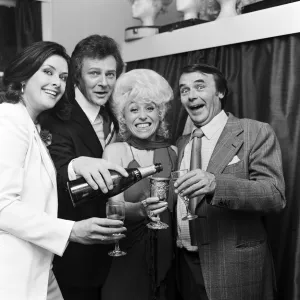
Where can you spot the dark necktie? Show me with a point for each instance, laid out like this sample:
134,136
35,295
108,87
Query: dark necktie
108,126
103,127
98,127
195,164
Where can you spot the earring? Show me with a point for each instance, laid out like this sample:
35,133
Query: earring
22,88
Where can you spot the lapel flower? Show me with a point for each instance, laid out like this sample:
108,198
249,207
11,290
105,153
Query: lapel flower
46,137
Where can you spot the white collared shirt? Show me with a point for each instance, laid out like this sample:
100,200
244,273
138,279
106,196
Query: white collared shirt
91,110
212,132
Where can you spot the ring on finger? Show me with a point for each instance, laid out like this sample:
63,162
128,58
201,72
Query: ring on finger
144,202
150,213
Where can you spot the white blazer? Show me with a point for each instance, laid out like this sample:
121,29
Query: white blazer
30,231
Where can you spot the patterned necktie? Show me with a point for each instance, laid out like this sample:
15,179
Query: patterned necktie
195,164
98,127
195,161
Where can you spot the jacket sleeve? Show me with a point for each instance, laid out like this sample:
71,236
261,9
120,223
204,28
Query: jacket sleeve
264,189
18,217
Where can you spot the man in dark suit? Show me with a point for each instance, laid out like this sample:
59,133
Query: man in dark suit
235,178
76,149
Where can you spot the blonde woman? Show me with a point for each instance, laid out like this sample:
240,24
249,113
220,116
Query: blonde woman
140,102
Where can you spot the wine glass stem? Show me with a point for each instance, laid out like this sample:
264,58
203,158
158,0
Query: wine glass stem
117,247
186,202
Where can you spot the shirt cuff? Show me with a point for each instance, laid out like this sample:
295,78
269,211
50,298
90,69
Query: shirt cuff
71,173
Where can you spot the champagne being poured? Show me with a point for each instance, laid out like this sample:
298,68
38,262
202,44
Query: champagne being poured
80,191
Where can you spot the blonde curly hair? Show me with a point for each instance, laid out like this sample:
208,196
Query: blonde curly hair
141,85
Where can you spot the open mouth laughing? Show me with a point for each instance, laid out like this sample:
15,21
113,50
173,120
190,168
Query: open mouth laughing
143,126
196,108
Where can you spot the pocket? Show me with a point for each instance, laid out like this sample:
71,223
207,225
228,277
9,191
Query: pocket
250,245
234,168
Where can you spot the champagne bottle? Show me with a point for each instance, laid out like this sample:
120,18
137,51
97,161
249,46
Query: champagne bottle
80,191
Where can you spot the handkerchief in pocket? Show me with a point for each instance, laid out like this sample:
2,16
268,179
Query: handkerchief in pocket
234,160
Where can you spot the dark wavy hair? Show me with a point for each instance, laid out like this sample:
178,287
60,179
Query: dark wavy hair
220,80
25,65
95,47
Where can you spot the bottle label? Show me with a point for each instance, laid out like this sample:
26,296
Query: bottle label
137,175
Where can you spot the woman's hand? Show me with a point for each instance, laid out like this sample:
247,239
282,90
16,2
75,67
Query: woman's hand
96,231
154,206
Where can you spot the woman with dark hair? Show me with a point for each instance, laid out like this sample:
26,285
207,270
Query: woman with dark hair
18,72
140,102
30,232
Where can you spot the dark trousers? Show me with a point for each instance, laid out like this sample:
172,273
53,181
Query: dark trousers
80,293
190,276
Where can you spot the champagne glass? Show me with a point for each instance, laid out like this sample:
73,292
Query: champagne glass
159,187
115,210
175,175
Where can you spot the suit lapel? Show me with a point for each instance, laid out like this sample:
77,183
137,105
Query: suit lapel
46,159
227,146
85,130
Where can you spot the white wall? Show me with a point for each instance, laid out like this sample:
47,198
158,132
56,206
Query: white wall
73,20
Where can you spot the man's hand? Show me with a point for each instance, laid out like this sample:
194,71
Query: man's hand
195,183
96,172
154,206
96,231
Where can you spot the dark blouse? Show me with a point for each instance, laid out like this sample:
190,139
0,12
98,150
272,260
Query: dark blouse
149,252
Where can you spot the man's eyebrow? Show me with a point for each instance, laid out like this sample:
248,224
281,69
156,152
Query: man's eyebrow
200,81
196,81
181,85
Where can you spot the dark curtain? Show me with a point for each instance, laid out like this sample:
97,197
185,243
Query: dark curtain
19,27
8,46
28,22
264,85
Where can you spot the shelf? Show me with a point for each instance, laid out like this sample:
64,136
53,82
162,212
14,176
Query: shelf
275,21
8,3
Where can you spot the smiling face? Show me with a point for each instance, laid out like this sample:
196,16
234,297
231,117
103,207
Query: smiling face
200,97
142,119
46,86
98,78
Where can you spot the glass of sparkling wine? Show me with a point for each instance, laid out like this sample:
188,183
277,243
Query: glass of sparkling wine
159,187
175,175
115,210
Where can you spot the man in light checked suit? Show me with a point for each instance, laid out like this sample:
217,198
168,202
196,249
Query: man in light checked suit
224,253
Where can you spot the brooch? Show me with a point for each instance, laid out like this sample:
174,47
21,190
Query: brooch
46,137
